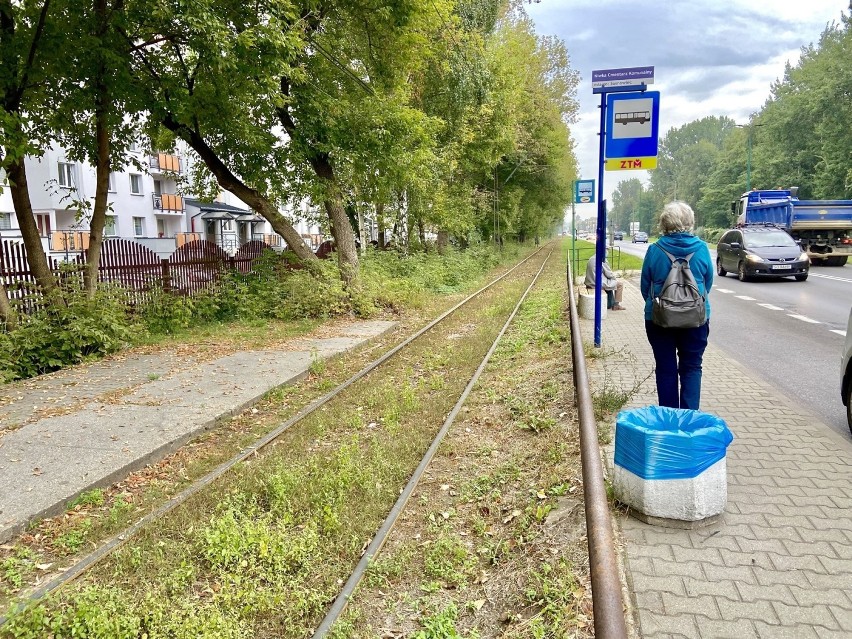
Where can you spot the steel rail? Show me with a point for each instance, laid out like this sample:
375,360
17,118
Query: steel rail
120,539
607,604
342,599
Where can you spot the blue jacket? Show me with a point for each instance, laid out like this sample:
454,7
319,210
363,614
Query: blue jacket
657,265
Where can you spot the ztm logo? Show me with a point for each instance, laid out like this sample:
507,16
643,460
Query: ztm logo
631,164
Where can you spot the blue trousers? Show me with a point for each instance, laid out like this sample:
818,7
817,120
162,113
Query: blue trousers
678,353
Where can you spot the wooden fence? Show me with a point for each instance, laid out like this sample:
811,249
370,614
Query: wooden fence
193,267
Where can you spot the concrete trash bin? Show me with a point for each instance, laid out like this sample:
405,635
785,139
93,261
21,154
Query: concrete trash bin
586,305
670,465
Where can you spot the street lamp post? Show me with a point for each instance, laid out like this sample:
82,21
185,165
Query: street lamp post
750,127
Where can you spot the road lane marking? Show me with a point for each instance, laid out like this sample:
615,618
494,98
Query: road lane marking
841,333
804,319
830,277
723,290
771,307
745,297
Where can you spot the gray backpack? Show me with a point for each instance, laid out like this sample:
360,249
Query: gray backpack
680,304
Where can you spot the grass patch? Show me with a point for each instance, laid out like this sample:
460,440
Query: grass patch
491,561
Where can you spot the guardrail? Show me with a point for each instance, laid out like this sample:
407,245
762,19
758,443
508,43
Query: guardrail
579,256
606,584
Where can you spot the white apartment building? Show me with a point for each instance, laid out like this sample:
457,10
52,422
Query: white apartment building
144,206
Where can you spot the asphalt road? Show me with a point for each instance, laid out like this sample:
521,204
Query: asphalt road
789,333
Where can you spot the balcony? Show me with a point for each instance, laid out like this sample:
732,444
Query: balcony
69,241
165,163
168,204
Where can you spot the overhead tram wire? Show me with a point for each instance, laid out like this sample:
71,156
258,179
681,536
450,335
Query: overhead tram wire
346,70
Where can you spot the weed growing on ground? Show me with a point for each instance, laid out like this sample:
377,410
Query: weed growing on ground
93,497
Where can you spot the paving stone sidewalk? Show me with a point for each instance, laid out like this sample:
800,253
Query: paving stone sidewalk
779,562
159,402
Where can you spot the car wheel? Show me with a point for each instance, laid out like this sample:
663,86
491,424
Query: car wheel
802,277
719,270
849,407
741,272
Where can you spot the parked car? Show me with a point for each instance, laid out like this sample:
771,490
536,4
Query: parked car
640,236
618,235
761,251
846,373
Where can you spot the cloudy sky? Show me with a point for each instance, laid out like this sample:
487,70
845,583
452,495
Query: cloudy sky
709,57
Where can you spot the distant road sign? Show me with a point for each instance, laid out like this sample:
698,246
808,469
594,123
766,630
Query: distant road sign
632,127
631,76
631,164
584,191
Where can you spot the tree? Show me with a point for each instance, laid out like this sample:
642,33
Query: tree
26,31
806,137
210,77
94,106
688,154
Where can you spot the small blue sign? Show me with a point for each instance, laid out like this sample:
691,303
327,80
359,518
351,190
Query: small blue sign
632,125
584,191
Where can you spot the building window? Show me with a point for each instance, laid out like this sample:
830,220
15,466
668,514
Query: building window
43,224
134,147
161,228
111,187
109,226
5,221
138,226
135,184
66,174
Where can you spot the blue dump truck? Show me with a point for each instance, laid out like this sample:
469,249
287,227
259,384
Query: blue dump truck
822,227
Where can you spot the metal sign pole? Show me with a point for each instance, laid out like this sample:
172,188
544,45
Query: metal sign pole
600,245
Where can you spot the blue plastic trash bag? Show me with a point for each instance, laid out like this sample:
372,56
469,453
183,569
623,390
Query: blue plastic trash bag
657,442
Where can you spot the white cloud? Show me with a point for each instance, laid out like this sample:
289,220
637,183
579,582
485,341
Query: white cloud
710,58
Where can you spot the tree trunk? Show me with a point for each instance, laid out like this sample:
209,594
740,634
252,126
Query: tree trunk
344,238
230,182
102,167
36,256
341,228
380,221
443,241
421,234
7,312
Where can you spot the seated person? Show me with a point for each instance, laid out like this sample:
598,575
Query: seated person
611,284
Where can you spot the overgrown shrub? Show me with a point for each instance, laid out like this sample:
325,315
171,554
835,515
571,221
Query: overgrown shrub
273,290
61,336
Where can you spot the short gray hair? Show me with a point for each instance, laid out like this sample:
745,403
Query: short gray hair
677,217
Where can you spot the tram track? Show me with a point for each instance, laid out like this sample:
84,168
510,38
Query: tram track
81,567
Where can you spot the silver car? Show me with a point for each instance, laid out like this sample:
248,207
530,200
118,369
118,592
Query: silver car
846,372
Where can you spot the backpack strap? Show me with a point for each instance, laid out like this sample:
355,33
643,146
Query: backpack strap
685,258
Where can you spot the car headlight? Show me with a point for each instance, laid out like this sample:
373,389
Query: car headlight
751,257
804,257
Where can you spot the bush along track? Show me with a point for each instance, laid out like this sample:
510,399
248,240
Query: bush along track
492,544
262,553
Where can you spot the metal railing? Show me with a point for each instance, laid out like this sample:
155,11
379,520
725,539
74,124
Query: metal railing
606,583
579,256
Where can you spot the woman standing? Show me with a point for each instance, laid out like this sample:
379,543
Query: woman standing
678,352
